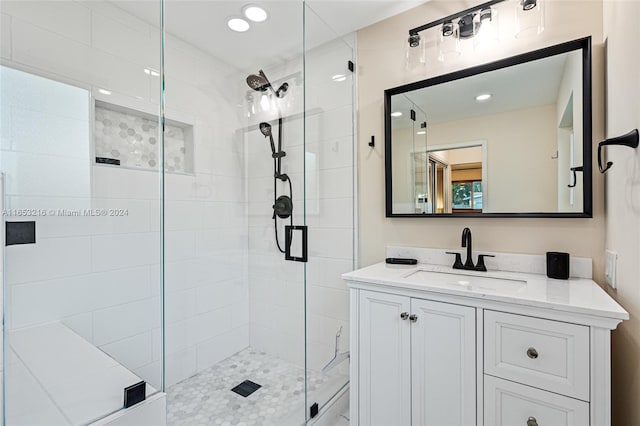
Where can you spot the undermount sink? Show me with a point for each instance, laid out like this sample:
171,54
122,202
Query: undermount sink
466,282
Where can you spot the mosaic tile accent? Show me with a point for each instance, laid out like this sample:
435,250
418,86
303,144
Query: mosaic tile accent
133,139
207,399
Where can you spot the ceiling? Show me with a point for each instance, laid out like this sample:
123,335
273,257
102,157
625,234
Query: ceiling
203,24
522,86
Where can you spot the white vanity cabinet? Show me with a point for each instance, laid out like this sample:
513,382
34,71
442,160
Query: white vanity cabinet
439,355
418,361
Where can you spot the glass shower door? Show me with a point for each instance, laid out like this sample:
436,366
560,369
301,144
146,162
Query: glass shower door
81,199
329,176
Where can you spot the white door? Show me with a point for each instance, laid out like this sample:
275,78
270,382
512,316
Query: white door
385,360
443,364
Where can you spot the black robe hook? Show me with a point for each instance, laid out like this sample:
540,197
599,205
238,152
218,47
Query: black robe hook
630,140
575,178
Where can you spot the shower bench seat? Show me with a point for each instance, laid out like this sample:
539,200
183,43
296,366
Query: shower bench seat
56,377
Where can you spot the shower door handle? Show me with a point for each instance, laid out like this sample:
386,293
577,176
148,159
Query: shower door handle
289,238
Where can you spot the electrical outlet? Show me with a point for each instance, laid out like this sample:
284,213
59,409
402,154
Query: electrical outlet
610,267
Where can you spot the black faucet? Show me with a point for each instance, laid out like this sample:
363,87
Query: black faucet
468,264
466,242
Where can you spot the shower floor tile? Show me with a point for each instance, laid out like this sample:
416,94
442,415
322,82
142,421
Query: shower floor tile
207,399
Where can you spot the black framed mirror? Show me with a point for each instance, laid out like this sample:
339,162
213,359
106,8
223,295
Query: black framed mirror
511,138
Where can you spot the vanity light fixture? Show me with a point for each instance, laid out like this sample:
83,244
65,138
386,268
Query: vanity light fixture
483,97
396,114
468,24
467,21
255,13
421,132
237,24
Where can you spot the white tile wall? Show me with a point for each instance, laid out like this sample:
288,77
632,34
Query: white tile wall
53,299
55,258
72,19
276,287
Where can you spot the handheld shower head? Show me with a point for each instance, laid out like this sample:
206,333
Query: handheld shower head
265,129
282,90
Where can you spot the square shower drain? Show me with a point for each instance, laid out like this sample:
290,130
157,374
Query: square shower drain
246,388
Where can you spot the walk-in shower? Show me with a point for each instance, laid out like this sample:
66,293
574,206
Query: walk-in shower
148,255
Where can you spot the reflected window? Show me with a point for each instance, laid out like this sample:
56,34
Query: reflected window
467,195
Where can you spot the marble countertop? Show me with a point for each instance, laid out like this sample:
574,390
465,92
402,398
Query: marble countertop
575,295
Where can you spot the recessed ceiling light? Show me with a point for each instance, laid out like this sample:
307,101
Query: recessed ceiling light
483,97
237,24
255,13
339,77
421,132
396,114
104,91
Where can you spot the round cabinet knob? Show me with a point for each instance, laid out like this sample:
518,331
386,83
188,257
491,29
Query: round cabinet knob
533,354
531,421
413,318
404,315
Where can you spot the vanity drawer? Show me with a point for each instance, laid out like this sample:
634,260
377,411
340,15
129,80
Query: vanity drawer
512,404
550,355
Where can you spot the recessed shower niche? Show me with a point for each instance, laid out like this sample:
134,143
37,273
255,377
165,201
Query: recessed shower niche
129,138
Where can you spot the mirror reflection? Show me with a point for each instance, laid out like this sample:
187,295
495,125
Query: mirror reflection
503,141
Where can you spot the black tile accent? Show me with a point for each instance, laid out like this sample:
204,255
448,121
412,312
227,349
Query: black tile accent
20,233
246,388
105,160
134,394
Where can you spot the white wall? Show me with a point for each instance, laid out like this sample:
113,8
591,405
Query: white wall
98,276
520,147
623,200
381,65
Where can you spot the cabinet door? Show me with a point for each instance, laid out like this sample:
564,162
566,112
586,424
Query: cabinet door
443,364
385,360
